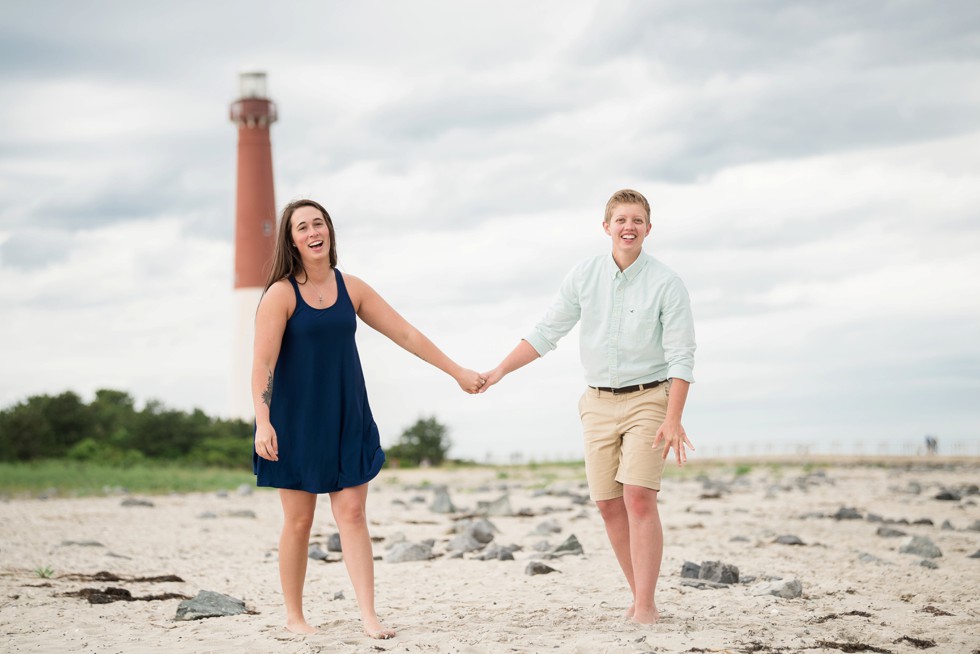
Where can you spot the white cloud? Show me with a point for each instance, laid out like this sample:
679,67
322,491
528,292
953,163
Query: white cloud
813,180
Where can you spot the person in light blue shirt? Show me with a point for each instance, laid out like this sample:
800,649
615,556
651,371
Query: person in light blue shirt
637,347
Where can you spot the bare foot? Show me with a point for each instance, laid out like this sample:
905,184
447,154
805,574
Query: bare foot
300,627
630,611
646,617
374,629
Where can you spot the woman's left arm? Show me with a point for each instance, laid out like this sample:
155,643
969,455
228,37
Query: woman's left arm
380,316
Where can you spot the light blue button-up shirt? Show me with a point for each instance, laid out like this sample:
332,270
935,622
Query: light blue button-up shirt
637,325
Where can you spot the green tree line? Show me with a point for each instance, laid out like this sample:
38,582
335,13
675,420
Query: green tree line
110,430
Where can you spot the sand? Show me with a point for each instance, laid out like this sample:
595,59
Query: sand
885,603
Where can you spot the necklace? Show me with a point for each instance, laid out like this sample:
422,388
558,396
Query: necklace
319,293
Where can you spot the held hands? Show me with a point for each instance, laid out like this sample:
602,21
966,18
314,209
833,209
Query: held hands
491,378
266,443
673,436
470,381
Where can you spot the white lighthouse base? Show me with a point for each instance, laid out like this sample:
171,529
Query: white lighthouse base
245,303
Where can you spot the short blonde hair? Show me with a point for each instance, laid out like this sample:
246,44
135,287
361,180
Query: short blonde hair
627,196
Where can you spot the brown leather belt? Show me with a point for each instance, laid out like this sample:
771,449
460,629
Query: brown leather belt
629,389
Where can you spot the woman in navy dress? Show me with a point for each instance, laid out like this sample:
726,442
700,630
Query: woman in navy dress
314,431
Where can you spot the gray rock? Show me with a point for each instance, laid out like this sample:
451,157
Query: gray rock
785,589
405,551
442,503
947,495
221,493
245,490
702,584
81,543
316,553
207,515
789,539
498,552
417,499
718,572
747,579
975,555
241,513
739,539
947,526
431,542
570,546
547,528
500,506
920,546
975,526
398,502
888,532
464,543
339,595
924,521
209,604
914,487
847,513
482,530
541,546
394,539
132,501
813,515
333,543
864,557
690,570
538,568
926,563
874,517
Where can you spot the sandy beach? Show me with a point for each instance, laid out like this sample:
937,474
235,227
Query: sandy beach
859,591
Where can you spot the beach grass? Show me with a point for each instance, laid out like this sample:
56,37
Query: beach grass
86,478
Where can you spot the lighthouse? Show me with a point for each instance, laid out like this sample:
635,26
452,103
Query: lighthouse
255,227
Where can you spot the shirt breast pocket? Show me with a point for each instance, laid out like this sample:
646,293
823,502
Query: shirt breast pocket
641,324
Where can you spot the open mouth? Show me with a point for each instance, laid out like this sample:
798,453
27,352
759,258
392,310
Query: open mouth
316,245
629,237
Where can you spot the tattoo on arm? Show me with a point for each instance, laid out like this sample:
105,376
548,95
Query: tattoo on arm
267,393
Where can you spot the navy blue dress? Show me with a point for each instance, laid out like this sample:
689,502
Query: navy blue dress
326,433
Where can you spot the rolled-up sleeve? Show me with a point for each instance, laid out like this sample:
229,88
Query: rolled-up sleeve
560,318
678,331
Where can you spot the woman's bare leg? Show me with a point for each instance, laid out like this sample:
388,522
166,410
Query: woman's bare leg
298,508
348,510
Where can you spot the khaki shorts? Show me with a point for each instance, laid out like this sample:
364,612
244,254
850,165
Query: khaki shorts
619,431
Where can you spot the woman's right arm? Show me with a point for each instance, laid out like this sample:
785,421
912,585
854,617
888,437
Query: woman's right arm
270,324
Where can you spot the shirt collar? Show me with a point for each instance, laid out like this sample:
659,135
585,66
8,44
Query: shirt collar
634,269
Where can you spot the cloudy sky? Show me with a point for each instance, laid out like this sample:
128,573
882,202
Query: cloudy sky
814,171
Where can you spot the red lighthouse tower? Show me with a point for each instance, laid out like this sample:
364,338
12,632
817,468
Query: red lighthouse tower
255,225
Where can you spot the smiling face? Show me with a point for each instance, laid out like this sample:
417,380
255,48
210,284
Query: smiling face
310,234
628,225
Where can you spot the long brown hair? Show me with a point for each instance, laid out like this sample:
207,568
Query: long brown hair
286,260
